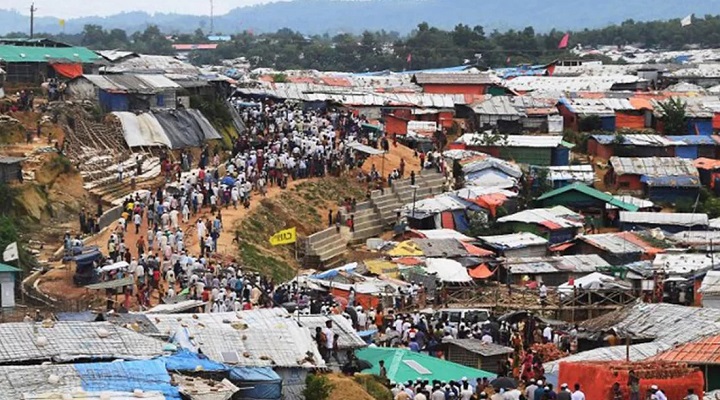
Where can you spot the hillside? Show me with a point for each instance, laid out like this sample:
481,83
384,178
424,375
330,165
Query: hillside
332,16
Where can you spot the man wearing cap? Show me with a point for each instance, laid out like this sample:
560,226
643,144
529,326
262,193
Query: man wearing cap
691,395
564,393
657,392
540,391
437,394
466,391
402,394
530,390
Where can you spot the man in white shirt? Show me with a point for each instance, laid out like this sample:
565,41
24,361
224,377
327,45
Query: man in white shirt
548,334
486,338
579,395
329,340
530,390
653,389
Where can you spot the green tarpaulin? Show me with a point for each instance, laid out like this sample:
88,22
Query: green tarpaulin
403,365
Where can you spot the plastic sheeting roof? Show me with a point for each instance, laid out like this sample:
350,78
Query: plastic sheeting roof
447,270
443,234
553,218
639,140
514,240
120,379
171,128
552,84
364,148
347,337
711,283
572,263
684,264
595,281
132,83
581,173
497,105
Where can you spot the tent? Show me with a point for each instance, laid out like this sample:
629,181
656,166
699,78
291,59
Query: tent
403,365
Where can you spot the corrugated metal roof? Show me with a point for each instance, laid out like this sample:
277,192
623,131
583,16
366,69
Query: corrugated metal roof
553,218
347,337
627,199
68,341
257,338
638,140
684,264
697,239
654,166
514,240
581,263
674,219
616,243
497,105
132,83
693,139
447,248
659,321
558,85
460,78
153,64
114,55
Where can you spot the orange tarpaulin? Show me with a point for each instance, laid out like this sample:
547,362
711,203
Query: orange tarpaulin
481,272
476,251
68,70
491,202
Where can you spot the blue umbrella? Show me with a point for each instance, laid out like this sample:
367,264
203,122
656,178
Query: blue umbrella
229,181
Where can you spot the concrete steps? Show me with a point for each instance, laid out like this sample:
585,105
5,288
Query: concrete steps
372,218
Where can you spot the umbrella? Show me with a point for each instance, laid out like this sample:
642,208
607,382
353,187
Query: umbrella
504,383
229,181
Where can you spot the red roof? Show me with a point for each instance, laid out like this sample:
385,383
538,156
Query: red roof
481,272
476,251
704,351
336,81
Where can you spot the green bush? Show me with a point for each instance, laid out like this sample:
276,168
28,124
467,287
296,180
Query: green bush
374,386
317,387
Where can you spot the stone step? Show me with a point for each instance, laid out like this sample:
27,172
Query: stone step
325,242
361,235
332,253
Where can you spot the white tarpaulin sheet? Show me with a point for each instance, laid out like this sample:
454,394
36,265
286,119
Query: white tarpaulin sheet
447,270
142,130
594,281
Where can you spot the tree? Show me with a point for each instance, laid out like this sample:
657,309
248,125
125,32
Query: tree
673,112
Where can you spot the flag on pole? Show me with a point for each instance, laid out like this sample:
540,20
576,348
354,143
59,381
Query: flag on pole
686,21
409,58
286,236
11,252
62,23
564,41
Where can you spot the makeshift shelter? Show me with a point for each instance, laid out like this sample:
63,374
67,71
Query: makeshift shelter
553,271
33,60
710,290
665,179
578,196
442,211
120,380
564,175
403,365
175,129
557,224
73,341
446,270
346,336
523,244
125,92
525,149
616,248
257,338
475,353
669,222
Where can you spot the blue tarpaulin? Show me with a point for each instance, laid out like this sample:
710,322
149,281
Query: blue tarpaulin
150,376
185,360
257,383
699,126
84,316
608,123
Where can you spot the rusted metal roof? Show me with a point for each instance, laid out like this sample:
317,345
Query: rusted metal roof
654,166
704,351
463,78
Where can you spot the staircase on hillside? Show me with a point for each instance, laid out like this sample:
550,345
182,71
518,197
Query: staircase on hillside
327,248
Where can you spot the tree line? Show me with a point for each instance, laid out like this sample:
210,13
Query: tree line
425,47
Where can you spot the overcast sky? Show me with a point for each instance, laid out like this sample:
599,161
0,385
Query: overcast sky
83,8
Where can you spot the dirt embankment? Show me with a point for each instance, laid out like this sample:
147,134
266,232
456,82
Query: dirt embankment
305,206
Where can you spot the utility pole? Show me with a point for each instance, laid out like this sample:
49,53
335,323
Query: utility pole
212,17
32,20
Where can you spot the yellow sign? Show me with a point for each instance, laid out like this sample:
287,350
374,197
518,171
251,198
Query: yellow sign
286,236
62,23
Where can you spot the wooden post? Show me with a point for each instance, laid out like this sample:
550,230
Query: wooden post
627,348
